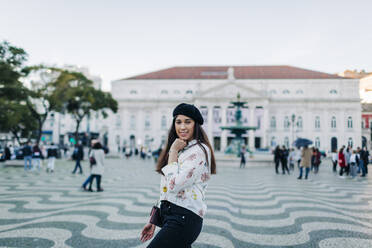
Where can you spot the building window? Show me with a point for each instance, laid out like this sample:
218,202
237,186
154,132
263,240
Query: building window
317,122
188,91
286,123
317,142
118,121
216,115
273,122
272,92
132,123
177,92
133,92
273,142
286,142
147,122
349,122
299,92
299,122
285,92
333,122
164,92
163,122
333,92
259,122
350,142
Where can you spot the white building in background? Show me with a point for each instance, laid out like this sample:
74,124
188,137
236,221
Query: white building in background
284,103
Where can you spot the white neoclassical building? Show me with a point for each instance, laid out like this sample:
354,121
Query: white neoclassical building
283,102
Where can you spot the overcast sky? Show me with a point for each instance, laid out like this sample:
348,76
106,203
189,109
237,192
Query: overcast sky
118,38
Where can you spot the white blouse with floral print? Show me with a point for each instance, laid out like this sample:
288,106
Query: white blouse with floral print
184,182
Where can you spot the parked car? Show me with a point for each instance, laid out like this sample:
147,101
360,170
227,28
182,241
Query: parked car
18,152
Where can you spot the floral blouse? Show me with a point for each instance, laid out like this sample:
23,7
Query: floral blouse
184,182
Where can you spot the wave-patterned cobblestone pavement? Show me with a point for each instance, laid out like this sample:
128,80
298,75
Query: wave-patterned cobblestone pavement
249,207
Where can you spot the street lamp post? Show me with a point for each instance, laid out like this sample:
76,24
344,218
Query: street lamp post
293,121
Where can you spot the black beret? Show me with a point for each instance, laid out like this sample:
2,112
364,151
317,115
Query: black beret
190,111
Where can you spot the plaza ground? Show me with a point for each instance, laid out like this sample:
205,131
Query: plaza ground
251,207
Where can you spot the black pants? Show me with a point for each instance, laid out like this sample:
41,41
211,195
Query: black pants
342,170
277,162
242,161
285,166
98,179
334,166
181,227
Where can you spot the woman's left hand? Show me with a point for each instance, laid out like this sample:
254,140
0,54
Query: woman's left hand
147,232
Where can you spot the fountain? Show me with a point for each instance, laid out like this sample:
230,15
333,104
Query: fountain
235,145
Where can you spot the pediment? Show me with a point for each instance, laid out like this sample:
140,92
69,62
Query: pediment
230,90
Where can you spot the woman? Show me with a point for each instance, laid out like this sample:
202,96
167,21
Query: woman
96,169
37,156
341,161
277,156
185,165
305,162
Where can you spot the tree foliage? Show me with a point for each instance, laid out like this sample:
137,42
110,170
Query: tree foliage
23,111
14,116
79,97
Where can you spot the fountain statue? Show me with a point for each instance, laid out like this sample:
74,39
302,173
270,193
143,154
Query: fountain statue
238,130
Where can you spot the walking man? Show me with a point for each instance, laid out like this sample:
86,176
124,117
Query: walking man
78,155
27,155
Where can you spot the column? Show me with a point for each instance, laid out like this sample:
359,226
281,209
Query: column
265,126
251,123
224,132
210,125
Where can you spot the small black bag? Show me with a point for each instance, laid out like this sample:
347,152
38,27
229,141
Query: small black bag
92,160
155,217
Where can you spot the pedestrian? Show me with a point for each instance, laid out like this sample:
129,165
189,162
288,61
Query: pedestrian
27,155
185,166
277,155
242,156
284,160
341,161
52,154
78,155
298,157
317,160
354,160
36,156
291,159
364,157
347,159
334,160
7,154
12,153
97,154
305,161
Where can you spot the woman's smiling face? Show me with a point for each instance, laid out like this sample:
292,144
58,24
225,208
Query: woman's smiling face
184,127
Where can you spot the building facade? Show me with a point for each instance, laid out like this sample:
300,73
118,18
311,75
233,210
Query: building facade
284,103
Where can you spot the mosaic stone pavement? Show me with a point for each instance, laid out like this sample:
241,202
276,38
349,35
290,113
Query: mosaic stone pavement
249,207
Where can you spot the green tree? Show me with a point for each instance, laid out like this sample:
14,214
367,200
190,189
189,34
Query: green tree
81,99
14,116
42,100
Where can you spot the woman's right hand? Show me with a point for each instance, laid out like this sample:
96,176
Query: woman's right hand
147,232
178,145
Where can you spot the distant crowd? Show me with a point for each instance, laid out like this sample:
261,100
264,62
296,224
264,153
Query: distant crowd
347,162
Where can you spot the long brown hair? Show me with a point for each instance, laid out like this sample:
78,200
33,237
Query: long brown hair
201,138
